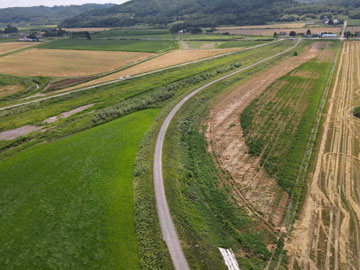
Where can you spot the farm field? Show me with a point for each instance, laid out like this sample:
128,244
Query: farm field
326,235
89,29
353,22
14,46
71,201
66,63
154,46
167,60
224,136
264,26
240,43
270,32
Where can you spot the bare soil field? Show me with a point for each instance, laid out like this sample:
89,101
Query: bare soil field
66,63
14,46
264,26
327,233
10,89
270,32
167,60
67,82
89,29
252,186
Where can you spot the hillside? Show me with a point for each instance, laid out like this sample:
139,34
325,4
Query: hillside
200,12
43,14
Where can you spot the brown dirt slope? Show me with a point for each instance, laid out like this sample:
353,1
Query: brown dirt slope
327,234
251,184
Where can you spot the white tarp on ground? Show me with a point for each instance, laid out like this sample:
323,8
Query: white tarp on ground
229,259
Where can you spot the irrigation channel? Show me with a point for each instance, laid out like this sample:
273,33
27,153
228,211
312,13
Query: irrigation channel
167,225
136,76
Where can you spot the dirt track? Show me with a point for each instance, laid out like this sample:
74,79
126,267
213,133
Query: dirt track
327,235
252,186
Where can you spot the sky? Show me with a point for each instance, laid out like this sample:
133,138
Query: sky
29,3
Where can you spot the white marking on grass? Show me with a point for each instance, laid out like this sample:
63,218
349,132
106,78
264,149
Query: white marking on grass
229,259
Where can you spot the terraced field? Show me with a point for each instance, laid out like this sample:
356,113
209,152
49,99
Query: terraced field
326,236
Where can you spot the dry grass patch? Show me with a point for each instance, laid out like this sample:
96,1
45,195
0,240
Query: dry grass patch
167,60
10,89
66,63
13,46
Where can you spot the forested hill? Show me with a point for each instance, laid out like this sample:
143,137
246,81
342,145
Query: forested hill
199,12
44,15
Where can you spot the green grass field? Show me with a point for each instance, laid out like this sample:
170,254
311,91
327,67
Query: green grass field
241,43
69,204
112,45
353,22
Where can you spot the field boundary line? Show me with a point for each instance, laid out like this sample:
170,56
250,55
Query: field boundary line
137,76
166,223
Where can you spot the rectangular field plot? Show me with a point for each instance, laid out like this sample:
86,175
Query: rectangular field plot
13,46
167,60
69,204
112,45
66,63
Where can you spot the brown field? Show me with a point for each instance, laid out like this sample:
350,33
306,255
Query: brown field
66,63
253,188
270,32
166,60
13,46
10,89
90,29
327,233
264,26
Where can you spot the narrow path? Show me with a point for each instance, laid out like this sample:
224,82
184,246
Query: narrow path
135,76
166,223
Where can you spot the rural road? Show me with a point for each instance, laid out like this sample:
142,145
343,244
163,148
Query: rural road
135,76
167,225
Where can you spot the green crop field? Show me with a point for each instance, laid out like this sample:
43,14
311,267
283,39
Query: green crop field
69,204
112,45
278,124
353,22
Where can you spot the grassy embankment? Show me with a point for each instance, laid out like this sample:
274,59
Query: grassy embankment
200,198
12,87
155,46
69,204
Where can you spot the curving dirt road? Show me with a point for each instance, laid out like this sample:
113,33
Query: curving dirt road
166,223
327,234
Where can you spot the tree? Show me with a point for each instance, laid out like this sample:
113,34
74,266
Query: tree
295,53
292,34
275,35
10,29
308,32
331,22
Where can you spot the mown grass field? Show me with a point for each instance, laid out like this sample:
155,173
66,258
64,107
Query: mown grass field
69,204
353,22
155,46
66,63
13,46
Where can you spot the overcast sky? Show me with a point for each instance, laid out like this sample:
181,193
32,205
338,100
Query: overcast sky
29,3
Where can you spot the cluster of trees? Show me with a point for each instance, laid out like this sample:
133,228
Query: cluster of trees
54,32
186,27
9,29
81,34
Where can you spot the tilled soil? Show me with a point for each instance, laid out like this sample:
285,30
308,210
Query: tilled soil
327,235
252,186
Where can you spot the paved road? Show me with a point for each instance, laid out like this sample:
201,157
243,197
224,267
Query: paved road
166,223
343,31
136,76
